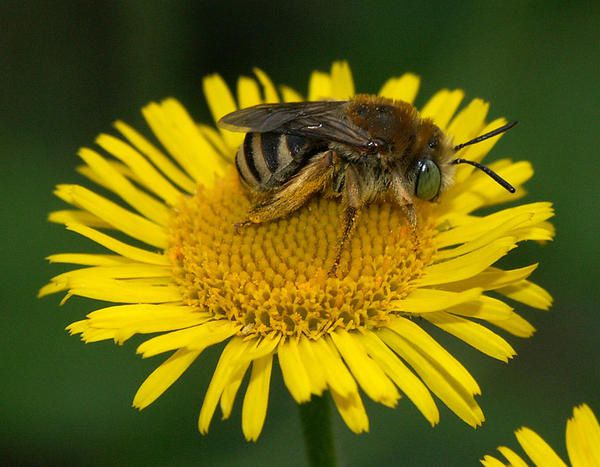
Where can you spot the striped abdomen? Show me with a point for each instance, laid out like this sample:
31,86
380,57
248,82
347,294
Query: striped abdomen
267,160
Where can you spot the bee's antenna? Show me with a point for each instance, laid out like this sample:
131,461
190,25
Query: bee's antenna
481,138
489,172
482,167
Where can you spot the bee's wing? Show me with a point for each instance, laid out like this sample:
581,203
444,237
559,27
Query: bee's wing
324,120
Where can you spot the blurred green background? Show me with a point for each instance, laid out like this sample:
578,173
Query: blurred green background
68,69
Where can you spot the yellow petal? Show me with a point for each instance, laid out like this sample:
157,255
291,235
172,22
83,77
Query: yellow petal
480,190
161,161
78,327
95,335
295,376
503,230
196,338
151,178
493,278
342,84
405,379
220,102
123,249
440,382
474,334
514,324
52,288
163,377
528,293
118,167
180,135
217,141
269,90
338,376
512,457
404,88
583,437
263,347
121,219
130,291
441,107
467,228
484,307
257,398
88,259
226,365
131,319
231,388
248,92
121,271
477,152
319,86
290,95
367,372
314,368
469,122
541,233
537,449
352,411
428,346
146,205
125,291
428,300
467,265
72,216
489,461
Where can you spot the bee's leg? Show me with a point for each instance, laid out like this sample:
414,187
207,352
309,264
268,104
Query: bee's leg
350,216
240,225
353,203
295,193
403,199
411,215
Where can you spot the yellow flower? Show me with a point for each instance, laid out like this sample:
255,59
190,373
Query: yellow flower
583,444
187,275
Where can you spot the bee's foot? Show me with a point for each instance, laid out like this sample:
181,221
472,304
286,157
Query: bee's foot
333,270
238,226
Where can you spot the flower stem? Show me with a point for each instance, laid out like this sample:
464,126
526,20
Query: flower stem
316,426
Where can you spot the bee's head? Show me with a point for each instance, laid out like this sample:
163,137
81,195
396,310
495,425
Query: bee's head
433,166
429,170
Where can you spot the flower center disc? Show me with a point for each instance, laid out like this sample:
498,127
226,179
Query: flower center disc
274,276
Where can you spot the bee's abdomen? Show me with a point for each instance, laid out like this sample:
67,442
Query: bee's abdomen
267,160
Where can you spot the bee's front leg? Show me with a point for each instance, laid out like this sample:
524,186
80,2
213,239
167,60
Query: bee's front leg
404,200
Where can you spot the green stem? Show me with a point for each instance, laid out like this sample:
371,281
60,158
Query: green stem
316,426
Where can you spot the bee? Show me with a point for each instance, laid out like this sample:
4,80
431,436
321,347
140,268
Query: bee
363,150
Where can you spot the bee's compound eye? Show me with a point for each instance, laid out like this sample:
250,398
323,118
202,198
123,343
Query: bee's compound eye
429,180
